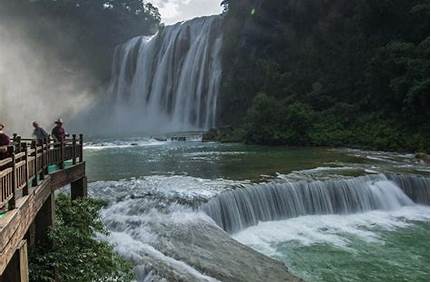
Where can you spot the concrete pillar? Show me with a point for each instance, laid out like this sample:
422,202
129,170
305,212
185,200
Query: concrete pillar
17,269
45,218
78,189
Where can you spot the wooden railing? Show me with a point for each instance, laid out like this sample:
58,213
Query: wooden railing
27,163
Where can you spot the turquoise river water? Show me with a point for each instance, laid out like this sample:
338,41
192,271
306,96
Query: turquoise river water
385,240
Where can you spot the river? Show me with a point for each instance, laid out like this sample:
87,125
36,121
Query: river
327,214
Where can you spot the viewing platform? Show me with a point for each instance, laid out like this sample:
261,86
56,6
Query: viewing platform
29,176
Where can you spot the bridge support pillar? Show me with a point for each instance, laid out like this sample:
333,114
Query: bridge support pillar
45,218
30,236
17,269
78,189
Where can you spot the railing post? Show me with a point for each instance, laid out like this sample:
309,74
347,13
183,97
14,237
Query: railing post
34,146
15,136
61,154
42,162
12,202
81,148
73,148
27,171
18,144
46,164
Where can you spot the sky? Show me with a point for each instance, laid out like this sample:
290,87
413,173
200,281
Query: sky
173,11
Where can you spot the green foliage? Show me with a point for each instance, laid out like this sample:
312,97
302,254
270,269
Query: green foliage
269,122
337,73
74,252
264,119
274,123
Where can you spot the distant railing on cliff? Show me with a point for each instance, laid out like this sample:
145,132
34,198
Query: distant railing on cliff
27,163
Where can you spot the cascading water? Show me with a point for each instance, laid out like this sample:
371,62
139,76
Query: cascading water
169,81
414,186
237,209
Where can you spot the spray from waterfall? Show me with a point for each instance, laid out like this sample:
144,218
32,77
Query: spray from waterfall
34,82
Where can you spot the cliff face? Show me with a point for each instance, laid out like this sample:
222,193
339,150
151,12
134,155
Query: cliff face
347,60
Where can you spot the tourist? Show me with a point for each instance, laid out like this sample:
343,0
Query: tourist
4,142
39,133
58,131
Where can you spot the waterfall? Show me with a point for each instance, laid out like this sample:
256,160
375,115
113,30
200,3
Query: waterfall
169,81
237,209
414,186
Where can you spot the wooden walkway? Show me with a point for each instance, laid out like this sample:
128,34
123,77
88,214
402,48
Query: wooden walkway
28,178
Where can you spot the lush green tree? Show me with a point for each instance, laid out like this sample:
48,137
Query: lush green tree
74,253
297,121
275,123
263,121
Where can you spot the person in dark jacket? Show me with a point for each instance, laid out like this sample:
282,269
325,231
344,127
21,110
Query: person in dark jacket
58,131
4,142
39,133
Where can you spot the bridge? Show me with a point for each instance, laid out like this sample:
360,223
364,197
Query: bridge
29,176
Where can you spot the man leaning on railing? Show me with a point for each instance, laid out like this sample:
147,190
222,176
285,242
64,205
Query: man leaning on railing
4,142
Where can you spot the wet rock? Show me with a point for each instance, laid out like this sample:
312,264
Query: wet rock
213,252
423,157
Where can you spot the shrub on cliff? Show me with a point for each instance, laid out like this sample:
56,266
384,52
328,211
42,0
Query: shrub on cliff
74,252
278,122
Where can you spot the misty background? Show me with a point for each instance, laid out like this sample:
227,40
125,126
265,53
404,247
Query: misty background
56,56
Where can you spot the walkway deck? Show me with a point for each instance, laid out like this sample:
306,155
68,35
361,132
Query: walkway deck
28,178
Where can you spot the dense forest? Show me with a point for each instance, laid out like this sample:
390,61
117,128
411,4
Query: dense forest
337,73
83,33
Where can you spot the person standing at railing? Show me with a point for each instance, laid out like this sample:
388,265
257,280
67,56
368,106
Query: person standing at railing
4,142
39,133
58,131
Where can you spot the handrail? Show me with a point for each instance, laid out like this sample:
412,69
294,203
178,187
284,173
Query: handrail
5,162
27,163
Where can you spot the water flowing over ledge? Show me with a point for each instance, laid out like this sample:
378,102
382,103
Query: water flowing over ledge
238,209
169,81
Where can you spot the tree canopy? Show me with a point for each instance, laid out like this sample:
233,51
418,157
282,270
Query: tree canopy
360,69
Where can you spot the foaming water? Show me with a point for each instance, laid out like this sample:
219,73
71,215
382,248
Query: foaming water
139,142
139,225
372,246
137,251
329,229
121,144
387,161
172,242
183,189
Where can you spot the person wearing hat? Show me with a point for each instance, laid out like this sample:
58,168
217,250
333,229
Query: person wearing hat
58,131
39,133
4,142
